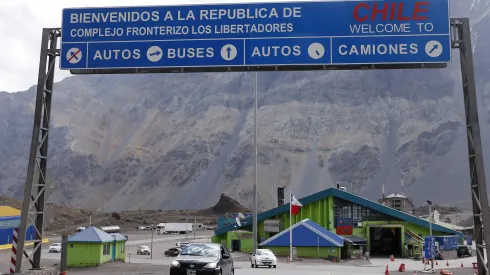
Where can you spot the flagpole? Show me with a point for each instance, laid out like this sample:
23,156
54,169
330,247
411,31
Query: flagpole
290,227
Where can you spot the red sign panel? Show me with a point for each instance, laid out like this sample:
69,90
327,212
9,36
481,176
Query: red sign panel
344,230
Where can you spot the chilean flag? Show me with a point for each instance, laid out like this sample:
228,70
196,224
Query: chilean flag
295,205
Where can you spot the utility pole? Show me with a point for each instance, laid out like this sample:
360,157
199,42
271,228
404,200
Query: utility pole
194,229
151,245
273,141
254,223
430,229
186,222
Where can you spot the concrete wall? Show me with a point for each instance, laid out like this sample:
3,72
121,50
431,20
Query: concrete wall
45,271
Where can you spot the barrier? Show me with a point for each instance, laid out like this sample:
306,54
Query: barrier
13,256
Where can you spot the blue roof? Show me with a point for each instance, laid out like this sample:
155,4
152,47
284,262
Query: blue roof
118,237
348,197
306,233
91,235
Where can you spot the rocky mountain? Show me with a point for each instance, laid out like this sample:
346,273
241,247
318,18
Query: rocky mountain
177,141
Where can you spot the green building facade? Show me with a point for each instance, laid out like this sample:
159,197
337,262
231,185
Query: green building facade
377,229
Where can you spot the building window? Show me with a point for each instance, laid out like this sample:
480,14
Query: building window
106,250
358,213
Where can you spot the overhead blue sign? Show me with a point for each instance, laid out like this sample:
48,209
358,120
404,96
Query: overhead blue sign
261,34
429,247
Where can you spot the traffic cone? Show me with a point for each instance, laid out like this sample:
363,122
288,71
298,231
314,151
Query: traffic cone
387,272
414,272
288,260
392,257
461,264
334,259
447,263
437,263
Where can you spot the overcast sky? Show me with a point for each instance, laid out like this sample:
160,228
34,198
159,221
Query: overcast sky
21,23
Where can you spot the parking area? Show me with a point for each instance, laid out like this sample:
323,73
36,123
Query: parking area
158,263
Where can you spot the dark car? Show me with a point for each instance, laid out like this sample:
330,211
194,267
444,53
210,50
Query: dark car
203,259
464,250
173,252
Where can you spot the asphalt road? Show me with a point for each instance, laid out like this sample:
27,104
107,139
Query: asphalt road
159,264
160,244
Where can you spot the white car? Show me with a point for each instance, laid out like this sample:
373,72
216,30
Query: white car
55,248
143,250
263,257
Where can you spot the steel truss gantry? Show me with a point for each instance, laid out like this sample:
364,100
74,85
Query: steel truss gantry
34,193
461,39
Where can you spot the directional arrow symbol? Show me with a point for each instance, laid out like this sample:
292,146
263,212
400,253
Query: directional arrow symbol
435,47
157,53
228,50
74,54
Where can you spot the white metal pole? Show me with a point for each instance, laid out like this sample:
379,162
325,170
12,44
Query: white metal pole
151,246
430,233
254,227
290,227
430,220
273,181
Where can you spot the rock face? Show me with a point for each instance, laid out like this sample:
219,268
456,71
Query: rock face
179,141
226,205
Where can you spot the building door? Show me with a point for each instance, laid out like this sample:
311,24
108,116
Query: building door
113,251
385,241
235,245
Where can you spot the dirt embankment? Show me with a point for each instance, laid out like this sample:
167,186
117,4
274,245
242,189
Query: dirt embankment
68,219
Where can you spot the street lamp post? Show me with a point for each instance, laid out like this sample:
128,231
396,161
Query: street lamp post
186,223
430,229
151,245
254,219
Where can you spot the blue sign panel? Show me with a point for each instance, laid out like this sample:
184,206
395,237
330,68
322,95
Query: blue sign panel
258,34
429,247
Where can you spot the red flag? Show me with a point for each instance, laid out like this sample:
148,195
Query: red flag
295,205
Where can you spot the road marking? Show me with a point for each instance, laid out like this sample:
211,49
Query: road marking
74,55
316,50
228,52
433,48
154,53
